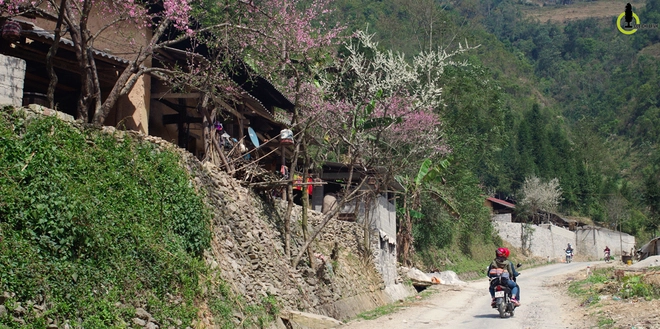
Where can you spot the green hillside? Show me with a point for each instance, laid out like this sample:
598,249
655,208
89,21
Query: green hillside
575,99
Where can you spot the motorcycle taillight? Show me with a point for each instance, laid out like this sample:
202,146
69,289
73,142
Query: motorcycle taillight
498,288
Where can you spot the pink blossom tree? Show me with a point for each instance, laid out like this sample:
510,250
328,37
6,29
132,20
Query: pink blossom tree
76,15
285,41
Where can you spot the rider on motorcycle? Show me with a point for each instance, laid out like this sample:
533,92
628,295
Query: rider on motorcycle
501,262
607,253
569,252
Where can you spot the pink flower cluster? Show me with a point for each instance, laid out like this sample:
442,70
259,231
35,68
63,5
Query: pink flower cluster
178,11
412,128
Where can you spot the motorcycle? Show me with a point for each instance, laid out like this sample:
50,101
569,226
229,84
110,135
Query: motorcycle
503,302
607,257
569,256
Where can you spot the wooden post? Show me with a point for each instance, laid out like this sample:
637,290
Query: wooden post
620,238
317,197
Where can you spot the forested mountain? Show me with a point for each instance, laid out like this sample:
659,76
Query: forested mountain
576,100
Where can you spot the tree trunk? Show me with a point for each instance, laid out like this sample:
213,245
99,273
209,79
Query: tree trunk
366,226
348,197
50,94
305,201
127,80
289,206
404,234
81,44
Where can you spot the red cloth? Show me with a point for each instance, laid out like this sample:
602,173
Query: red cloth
297,181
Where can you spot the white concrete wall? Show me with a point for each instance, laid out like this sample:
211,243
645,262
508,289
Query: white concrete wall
12,78
384,256
382,222
551,241
502,218
593,241
384,216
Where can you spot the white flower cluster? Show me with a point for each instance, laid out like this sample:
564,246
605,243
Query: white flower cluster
540,195
390,72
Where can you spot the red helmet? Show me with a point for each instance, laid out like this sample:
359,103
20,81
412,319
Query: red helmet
502,252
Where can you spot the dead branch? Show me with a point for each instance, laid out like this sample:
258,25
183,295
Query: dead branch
326,219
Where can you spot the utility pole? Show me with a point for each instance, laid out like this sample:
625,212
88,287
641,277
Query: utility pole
621,238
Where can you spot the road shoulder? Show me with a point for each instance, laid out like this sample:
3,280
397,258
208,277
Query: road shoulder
608,310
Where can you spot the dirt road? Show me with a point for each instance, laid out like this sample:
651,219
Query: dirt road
469,306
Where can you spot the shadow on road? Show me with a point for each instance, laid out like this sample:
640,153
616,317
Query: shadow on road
490,315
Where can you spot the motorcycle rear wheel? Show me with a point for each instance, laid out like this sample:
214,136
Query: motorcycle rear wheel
502,309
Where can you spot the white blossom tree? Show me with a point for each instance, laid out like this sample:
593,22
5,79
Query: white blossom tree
539,196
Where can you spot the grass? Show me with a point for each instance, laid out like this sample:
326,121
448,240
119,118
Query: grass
605,322
587,289
603,282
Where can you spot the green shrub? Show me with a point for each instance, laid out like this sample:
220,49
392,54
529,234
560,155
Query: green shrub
87,222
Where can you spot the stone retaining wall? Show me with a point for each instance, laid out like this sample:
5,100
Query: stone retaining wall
248,250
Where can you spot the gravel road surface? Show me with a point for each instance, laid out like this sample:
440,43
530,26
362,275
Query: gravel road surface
469,306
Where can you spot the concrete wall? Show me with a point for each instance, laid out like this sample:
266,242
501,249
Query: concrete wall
502,218
550,241
381,218
384,256
383,224
546,241
592,241
12,77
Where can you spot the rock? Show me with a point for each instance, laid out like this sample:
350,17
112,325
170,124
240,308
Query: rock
19,320
418,276
450,278
151,325
4,297
3,311
329,202
310,320
277,324
142,314
139,322
19,311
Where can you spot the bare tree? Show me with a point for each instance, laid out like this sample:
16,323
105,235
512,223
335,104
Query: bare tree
617,214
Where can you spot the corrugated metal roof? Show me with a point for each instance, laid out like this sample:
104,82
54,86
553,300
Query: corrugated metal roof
501,202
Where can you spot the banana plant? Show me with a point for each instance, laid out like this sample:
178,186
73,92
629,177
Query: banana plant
427,181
